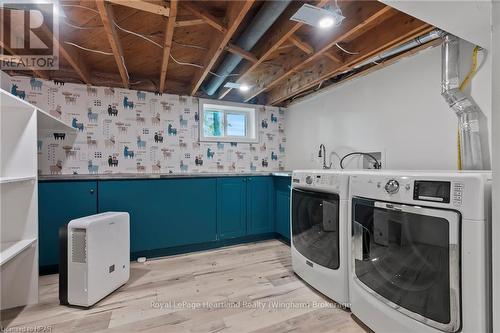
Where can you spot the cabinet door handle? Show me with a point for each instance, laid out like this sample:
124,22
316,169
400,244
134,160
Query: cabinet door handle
91,191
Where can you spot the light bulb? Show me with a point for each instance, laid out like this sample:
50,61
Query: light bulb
244,87
326,22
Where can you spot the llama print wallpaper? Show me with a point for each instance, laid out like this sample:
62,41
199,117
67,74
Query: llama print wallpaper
127,131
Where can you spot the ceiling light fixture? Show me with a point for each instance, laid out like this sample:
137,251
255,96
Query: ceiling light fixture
244,87
319,17
326,22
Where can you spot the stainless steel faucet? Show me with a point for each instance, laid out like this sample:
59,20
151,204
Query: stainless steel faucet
322,147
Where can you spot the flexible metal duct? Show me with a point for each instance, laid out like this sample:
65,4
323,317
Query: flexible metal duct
266,16
467,111
430,36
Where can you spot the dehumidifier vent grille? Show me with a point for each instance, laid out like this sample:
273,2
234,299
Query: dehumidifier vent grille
79,248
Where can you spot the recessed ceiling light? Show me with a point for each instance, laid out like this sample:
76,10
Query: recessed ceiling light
326,22
244,87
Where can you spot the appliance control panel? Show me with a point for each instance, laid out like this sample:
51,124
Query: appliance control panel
435,189
431,190
320,180
458,191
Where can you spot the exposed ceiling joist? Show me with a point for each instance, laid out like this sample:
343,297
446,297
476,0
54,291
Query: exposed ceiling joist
389,62
39,73
241,52
204,15
108,21
235,14
333,57
71,55
401,29
365,15
143,5
273,39
167,43
188,23
308,49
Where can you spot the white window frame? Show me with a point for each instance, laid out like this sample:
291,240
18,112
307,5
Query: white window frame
250,110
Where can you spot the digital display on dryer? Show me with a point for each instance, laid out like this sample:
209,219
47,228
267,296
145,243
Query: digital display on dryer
434,191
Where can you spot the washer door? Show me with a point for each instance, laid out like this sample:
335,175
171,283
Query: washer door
408,257
315,226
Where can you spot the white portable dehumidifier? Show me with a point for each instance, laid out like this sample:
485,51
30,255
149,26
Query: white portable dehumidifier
94,257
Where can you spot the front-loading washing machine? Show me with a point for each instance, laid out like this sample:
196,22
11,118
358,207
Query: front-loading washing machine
419,250
319,204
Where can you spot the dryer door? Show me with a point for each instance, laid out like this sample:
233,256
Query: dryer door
408,257
315,226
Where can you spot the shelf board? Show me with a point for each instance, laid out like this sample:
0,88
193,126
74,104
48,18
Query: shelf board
46,122
5,180
13,102
9,250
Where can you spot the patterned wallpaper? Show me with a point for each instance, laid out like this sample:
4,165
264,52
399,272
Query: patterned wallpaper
122,130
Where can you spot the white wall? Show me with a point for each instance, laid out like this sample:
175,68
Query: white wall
397,110
496,162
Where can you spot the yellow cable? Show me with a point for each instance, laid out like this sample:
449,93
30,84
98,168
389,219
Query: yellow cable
472,70
465,82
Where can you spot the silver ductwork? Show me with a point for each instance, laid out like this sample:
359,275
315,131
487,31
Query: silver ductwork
467,111
420,40
266,16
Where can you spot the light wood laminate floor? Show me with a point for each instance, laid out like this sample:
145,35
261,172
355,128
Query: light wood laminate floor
245,288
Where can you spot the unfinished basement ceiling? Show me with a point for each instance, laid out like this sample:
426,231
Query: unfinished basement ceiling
191,38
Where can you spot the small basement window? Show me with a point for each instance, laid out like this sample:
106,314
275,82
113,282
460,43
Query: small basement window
227,122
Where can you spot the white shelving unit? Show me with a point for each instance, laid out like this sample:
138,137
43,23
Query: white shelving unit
9,250
5,180
19,124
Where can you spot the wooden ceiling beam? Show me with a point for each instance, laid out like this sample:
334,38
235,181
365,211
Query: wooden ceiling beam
204,15
108,21
72,56
167,43
188,23
235,14
143,5
273,39
285,46
305,47
360,16
394,32
235,49
36,72
330,55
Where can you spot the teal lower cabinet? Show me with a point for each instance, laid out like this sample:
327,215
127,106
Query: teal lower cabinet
260,204
231,207
282,211
245,206
58,203
168,216
164,213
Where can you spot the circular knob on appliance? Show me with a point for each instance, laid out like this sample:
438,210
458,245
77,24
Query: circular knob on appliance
309,180
392,186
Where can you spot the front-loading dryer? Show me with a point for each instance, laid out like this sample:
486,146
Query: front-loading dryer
319,203
419,251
